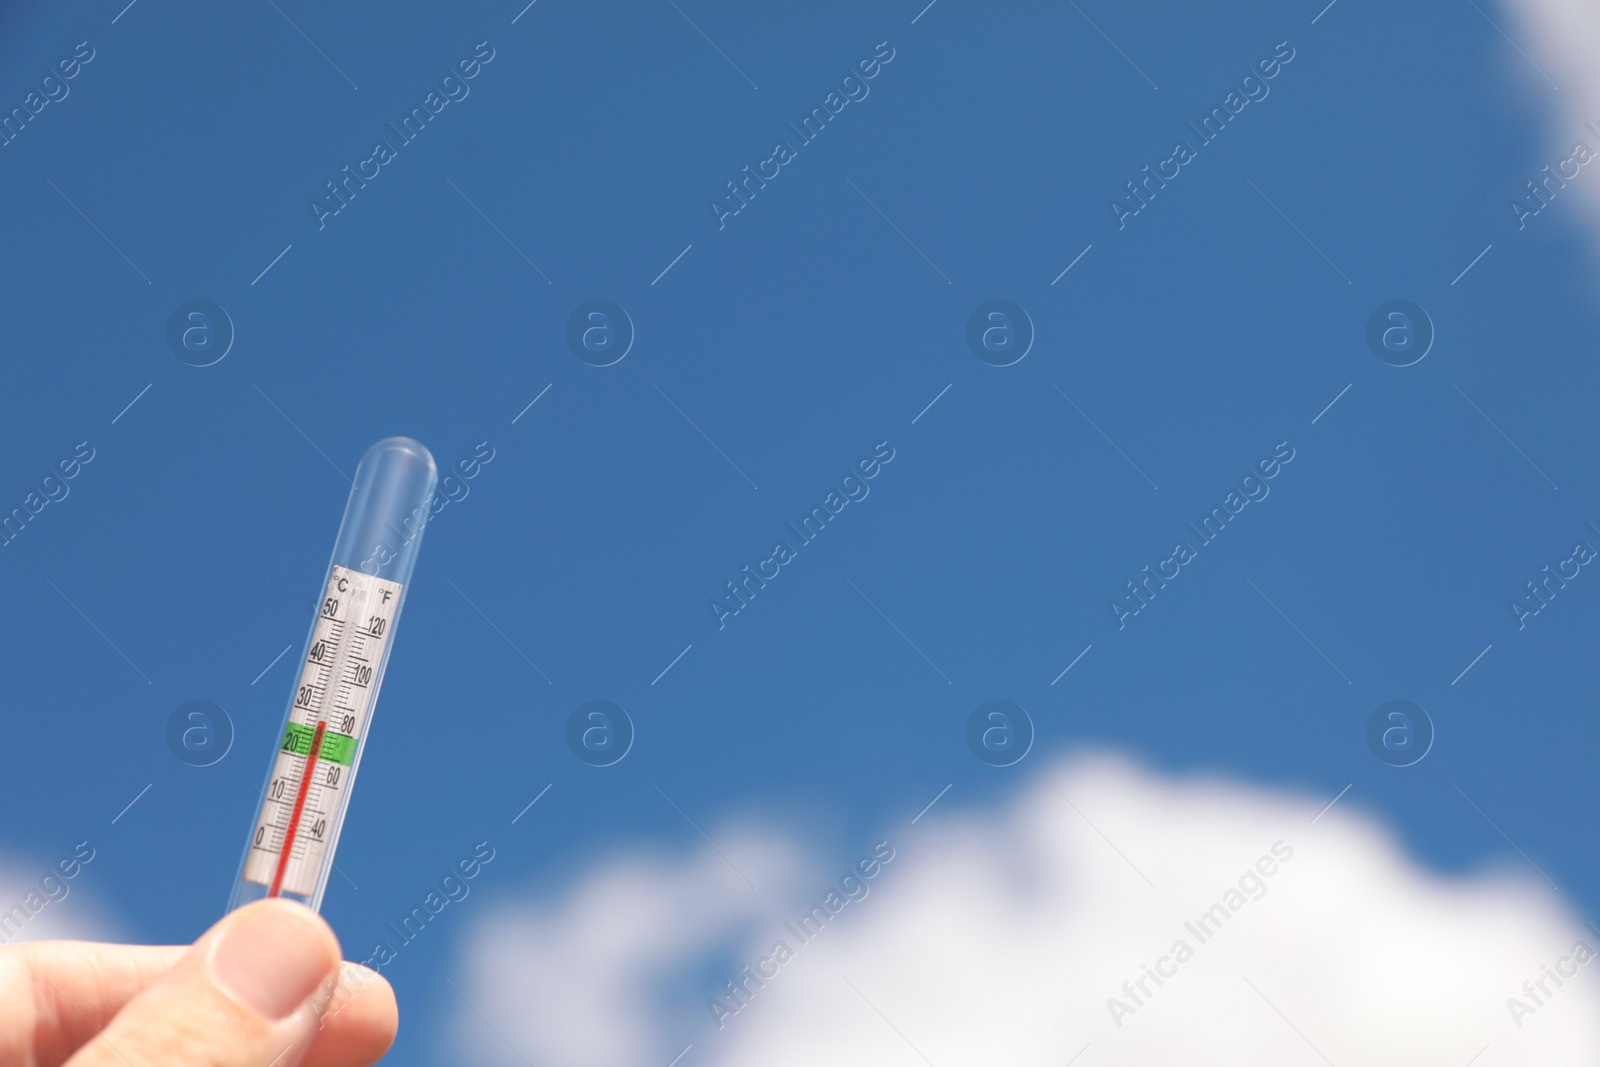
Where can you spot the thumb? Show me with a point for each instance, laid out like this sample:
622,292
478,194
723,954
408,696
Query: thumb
247,994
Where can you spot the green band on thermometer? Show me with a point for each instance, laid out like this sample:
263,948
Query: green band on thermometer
336,747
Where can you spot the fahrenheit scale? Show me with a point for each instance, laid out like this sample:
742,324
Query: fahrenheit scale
303,804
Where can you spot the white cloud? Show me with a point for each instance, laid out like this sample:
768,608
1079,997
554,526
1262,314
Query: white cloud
1559,40
581,979
38,904
997,937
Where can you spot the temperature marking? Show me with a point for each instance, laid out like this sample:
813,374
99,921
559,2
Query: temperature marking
327,720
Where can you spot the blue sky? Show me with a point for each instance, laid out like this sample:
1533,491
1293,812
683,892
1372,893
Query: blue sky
770,357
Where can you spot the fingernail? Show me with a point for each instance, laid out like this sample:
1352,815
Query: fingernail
273,958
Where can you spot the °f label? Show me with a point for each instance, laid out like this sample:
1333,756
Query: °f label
332,703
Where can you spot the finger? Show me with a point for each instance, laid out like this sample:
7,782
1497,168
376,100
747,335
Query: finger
59,994
359,1023
248,993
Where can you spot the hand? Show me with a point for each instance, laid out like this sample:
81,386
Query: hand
262,987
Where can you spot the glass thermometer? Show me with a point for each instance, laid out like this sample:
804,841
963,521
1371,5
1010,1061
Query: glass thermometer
307,792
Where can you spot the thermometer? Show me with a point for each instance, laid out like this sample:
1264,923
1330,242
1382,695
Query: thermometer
307,792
